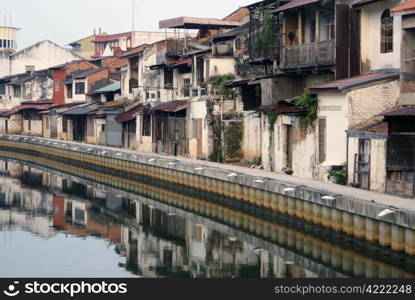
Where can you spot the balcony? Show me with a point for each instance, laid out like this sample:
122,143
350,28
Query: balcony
318,54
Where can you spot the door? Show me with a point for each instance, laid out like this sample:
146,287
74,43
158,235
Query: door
200,138
289,147
53,127
363,164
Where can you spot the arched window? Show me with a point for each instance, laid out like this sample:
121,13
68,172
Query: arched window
386,32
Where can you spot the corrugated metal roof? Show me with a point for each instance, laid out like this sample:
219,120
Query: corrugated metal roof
181,62
81,109
362,2
342,84
408,111
132,113
282,107
295,4
111,37
113,87
197,23
172,106
112,104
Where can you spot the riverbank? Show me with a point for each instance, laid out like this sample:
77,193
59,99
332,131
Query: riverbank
381,219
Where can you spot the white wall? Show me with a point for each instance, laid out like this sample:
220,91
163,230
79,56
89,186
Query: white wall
251,145
334,108
42,55
372,58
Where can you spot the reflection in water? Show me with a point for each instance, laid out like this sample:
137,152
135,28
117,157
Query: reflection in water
56,225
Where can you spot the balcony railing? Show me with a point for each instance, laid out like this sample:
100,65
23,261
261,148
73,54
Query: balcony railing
308,55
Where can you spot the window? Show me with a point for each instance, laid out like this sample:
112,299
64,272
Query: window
57,85
2,89
147,96
186,87
47,123
146,128
69,91
322,139
17,91
195,128
64,124
103,127
168,78
80,88
386,32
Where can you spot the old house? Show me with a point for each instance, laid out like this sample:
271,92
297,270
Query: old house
344,104
400,164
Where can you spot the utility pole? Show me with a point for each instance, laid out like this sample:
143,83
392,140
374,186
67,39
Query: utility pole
133,25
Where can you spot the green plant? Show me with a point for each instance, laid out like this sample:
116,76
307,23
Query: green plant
309,103
257,161
219,83
272,118
268,36
338,176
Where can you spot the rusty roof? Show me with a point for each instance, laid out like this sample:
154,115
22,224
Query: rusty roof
111,37
134,51
375,124
85,73
282,107
342,84
197,23
408,111
171,106
410,5
295,4
132,113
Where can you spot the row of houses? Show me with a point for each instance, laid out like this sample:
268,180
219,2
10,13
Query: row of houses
315,89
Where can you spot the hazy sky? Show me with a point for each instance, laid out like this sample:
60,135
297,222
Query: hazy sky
64,21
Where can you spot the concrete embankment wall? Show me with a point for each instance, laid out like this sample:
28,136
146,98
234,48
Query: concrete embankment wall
360,218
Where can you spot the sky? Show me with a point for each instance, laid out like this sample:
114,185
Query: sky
64,21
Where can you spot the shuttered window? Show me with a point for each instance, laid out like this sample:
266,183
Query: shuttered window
322,139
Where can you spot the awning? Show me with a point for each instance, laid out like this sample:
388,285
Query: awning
197,23
132,113
111,88
157,67
295,4
172,106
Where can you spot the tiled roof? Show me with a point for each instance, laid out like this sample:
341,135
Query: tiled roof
295,4
114,104
408,111
111,37
342,84
85,73
410,5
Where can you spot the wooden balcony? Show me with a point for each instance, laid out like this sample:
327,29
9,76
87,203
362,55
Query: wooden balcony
308,55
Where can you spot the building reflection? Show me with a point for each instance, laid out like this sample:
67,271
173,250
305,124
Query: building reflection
155,243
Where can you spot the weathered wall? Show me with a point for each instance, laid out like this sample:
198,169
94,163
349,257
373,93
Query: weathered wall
42,55
39,88
36,127
251,144
367,102
372,58
377,165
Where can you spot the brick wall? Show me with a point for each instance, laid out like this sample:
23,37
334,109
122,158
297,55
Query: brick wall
114,63
98,80
365,103
58,94
79,65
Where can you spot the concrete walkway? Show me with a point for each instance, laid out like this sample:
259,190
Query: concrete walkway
404,204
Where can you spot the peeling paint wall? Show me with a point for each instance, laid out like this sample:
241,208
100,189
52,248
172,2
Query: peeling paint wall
251,144
39,88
